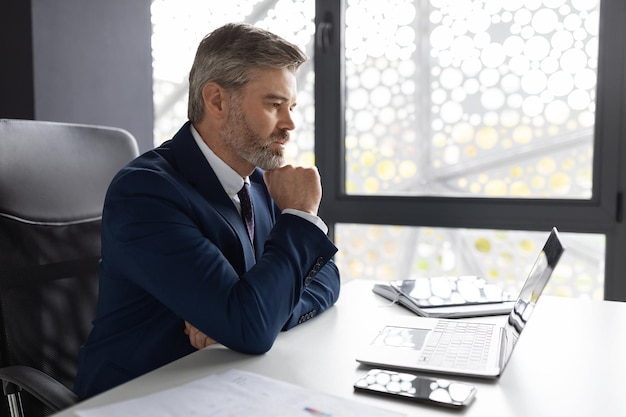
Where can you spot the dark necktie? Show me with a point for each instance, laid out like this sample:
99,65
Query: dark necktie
246,209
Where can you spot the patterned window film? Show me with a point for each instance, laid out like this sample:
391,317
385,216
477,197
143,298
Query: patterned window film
474,99
502,257
487,98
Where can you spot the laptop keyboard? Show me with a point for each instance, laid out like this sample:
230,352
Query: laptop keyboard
460,345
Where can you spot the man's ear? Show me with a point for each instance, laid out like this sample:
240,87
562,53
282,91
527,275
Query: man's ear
215,100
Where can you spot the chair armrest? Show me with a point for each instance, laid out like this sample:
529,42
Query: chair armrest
44,388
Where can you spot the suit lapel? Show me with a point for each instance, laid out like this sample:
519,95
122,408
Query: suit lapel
194,167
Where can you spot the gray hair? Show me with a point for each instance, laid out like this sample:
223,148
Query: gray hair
231,54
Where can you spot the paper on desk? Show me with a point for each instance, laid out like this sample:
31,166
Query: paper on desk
238,393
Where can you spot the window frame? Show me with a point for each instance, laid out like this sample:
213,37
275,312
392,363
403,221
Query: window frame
602,213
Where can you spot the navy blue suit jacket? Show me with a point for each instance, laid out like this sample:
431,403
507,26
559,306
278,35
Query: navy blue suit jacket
174,249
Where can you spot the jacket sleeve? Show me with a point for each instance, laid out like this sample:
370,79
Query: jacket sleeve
320,293
182,252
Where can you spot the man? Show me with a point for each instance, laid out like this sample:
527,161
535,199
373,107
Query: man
179,269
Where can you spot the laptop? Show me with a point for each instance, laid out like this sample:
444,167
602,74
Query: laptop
463,347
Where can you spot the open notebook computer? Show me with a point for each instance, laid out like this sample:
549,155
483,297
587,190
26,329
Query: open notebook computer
463,347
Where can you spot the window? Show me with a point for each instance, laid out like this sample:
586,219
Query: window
449,139
470,98
451,125
482,99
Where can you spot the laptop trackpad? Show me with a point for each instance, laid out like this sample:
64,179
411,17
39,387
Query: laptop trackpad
395,346
401,337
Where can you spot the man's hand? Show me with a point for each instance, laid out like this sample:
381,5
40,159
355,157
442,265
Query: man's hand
197,339
295,188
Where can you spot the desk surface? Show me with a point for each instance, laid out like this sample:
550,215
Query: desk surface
571,360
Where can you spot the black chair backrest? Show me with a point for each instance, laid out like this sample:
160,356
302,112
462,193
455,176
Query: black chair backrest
53,179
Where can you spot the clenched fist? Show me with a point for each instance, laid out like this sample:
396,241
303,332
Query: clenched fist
197,339
295,188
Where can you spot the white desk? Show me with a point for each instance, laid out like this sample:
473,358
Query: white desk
571,361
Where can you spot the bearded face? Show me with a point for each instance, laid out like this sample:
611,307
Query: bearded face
249,144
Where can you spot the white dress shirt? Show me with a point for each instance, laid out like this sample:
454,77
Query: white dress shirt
232,181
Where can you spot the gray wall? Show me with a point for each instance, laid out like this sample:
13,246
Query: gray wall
90,62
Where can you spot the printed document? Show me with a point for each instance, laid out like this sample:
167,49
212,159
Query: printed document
238,393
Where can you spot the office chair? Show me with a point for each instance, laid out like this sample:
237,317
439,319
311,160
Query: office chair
53,179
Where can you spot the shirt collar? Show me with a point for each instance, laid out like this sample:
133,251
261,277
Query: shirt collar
228,177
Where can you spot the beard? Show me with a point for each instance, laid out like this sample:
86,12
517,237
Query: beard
250,145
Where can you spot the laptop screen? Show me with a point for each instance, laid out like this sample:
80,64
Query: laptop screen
531,291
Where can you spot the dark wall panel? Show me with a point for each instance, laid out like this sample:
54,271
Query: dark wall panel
16,61
91,63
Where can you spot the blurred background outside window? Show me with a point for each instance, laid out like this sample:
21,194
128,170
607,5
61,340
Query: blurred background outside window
491,98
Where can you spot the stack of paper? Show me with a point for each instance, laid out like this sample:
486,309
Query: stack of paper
238,393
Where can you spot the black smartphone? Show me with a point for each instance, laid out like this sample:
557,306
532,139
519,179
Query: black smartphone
428,390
